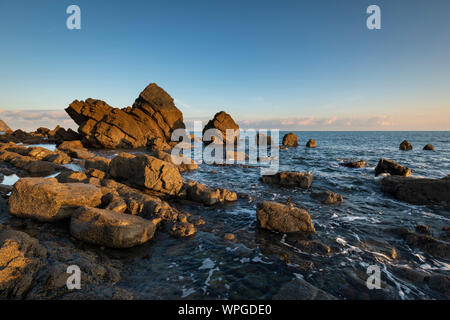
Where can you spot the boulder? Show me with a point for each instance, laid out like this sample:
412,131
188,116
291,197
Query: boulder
111,229
148,172
289,179
71,176
47,200
198,192
354,164
394,169
58,157
21,257
327,197
221,122
405,145
418,190
68,146
428,147
283,218
41,167
290,140
158,144
153,114
99,163
182,229
311,143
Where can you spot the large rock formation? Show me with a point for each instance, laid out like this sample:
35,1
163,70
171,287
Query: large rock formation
394,169
153,114
3,126
48,200
147,172
111,229
221,122
283,218
419,190
290,179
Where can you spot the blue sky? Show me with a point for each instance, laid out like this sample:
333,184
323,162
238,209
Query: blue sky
291,64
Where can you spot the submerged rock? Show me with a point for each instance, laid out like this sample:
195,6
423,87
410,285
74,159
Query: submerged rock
153,114
47,200
200,193
311,143
406,145
327,197
290,140
182,229
289,179
148,172
394,169
299,289
283,218
110,229
221,122
419,190
354,164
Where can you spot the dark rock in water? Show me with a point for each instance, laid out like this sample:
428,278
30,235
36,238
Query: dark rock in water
283,218
309,246
3,126
406,145
209,196
99,163
440,282
263,139
311,143
47,200
289,179
153,114
148,172
428,147
327,197
222,122
394,169
182,229
110,229
21,257
299,289
419,190
354,164
290,140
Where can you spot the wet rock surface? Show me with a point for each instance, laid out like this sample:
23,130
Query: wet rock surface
290,140
283,218
418,190
289,179
394,169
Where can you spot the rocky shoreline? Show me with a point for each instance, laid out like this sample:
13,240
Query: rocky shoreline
53,212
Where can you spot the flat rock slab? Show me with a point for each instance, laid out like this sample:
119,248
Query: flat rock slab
47,200
110,228
283,218
419,190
